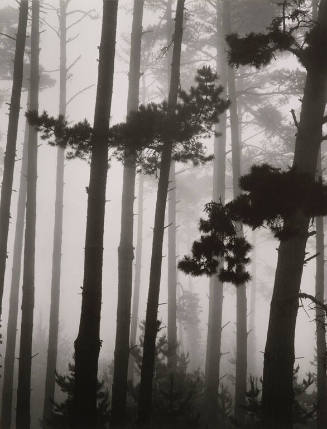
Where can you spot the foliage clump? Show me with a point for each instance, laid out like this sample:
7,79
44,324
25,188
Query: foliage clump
150,128
220,240
293,31
270,198
61,413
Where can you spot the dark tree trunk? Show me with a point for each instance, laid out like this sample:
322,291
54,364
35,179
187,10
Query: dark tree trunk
151,322
241,303
279,356
9,161
9,363
137,279
172,272
252,338
57,232
216,297
23,417
87,344
126,250
320,324
320,314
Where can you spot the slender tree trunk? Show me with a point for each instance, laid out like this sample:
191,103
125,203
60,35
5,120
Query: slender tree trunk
9,160
57,232
9,364
172,272
23,417
320,314
252,342
172,268
126,250
241,303
216,297
137,280
320,323
279,356
87,344
151,322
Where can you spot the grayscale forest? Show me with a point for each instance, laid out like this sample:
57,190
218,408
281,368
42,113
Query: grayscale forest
162,214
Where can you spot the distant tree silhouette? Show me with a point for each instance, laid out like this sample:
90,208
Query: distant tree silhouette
23,417
9,161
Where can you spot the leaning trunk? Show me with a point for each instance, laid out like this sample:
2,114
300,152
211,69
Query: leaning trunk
9,161
216,297
87,344
137,279
279,356
57,232
126,250
23,416
151,322
9,363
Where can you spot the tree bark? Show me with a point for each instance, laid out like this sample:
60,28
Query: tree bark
126,250
137,279
9,160
252,338
172,268
23,417
216,296
87,344
241,302
151,322
320,326
57,232
9,363
172,272
279,355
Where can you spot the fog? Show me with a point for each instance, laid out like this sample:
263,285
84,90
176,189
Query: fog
83,53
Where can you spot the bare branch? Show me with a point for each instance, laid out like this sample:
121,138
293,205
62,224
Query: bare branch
78,93
87,14
7,35
73,63
294,118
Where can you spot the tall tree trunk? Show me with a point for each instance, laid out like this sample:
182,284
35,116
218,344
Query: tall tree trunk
279,356
137,279
320,314
252,339
9,363
87,344
151,322
241,303
216,297
172,272
57,232
320,324
126,250
172,268
9,161
23,416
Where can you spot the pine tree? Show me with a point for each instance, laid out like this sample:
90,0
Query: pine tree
23,418
87,344
126,250
9,161
57,232
9,361
144,410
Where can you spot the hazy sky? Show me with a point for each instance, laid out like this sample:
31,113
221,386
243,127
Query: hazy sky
84,73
